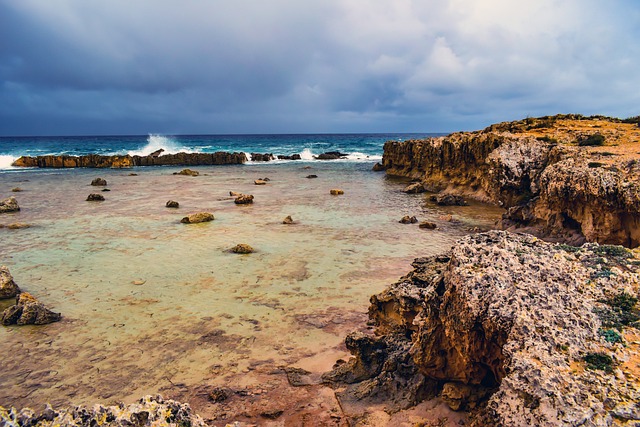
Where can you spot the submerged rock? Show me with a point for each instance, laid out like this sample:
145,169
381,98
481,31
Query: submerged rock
312,176
414,188
336,192
242,248
448,200
28,311
99,182
428,225
408,220
187,172
16,189
244,199
95,197
172,204
148,411
525,332
8,288
260,182
9,205
197,218
258,157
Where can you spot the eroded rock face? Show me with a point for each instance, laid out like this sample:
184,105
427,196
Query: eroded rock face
9,205
150,410
8,288
531,332
28,311
540,172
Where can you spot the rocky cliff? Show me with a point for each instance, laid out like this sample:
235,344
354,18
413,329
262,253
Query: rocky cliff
115,161
562,177
518,331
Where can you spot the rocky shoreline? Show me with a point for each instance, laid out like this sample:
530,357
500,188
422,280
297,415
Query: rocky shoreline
565,178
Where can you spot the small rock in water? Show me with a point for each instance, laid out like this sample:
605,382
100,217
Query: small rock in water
99,182
139,282
94,197
133,174
312,176
9,205
427,225
234,194
242,248
288,220
16,190
18,225
260,182
448,200
197,218
187,172
244,199
336,192
415,188
28,311
8,288
172,204
105,189
408,219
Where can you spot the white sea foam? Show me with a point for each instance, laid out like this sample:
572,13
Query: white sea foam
307,154
362,157
156,142
6,161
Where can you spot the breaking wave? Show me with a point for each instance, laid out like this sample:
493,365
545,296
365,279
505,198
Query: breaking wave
6,161
156,142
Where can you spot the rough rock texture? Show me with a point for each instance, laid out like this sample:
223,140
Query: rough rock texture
336,192
28,311
526,332
287,220
9,205
197,218
187,172
242,248
99,182
8,288
98,161
428,225
541,172
446,199
148,411
258,157
95,197
408,220
414,188
244,199
331,155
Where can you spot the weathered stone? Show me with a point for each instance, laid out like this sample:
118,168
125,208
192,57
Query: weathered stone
331,155
28,311
336,192
244,199
260,182
414,188
95,197
187,172
378,167
98,161
288,220
99,182
172,204
9,205
257,157
16,189
427,225
197,218
8,288
242,248
408,219
448,200
291,157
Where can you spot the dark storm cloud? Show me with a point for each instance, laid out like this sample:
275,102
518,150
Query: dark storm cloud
73,66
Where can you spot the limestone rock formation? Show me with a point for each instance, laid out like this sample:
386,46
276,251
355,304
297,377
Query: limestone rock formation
8,288
519,331
336,192
197,218
172,204
95,197
148,411
28,311
541,171
244,199
9,205
187,172
126,161
242,248
99,182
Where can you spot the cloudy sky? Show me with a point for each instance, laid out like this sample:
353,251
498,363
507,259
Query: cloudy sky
71,67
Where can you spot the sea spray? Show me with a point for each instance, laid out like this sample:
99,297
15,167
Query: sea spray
6,161
157,142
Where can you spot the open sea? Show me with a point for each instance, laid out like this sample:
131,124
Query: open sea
150,305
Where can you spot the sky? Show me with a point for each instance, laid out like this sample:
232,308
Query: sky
78,67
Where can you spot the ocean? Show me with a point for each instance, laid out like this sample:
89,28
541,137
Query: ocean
150,305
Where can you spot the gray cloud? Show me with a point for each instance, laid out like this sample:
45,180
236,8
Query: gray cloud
336,65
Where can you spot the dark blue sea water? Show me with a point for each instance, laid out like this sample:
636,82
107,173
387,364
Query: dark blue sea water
360,147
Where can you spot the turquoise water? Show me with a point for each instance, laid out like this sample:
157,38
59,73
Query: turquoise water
202,315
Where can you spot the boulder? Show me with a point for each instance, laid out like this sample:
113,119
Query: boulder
8,288
408,219
94,197
427,225
244,199
448,200
187,172
242,248
99,182
172,204
336,192
288,220
197,218
28,311
9,205
414,188
260,182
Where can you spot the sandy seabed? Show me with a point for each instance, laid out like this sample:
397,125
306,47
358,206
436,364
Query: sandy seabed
151,305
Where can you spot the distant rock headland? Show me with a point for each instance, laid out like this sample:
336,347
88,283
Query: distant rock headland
565,177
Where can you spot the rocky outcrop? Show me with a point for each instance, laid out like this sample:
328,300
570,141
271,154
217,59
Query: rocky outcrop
187,172
197,218
148,411
258,157
541,171
9,205
519,331
8,288
126,161
28,311
331,155
99,182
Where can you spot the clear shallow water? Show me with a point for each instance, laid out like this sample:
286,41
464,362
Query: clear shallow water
203,316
